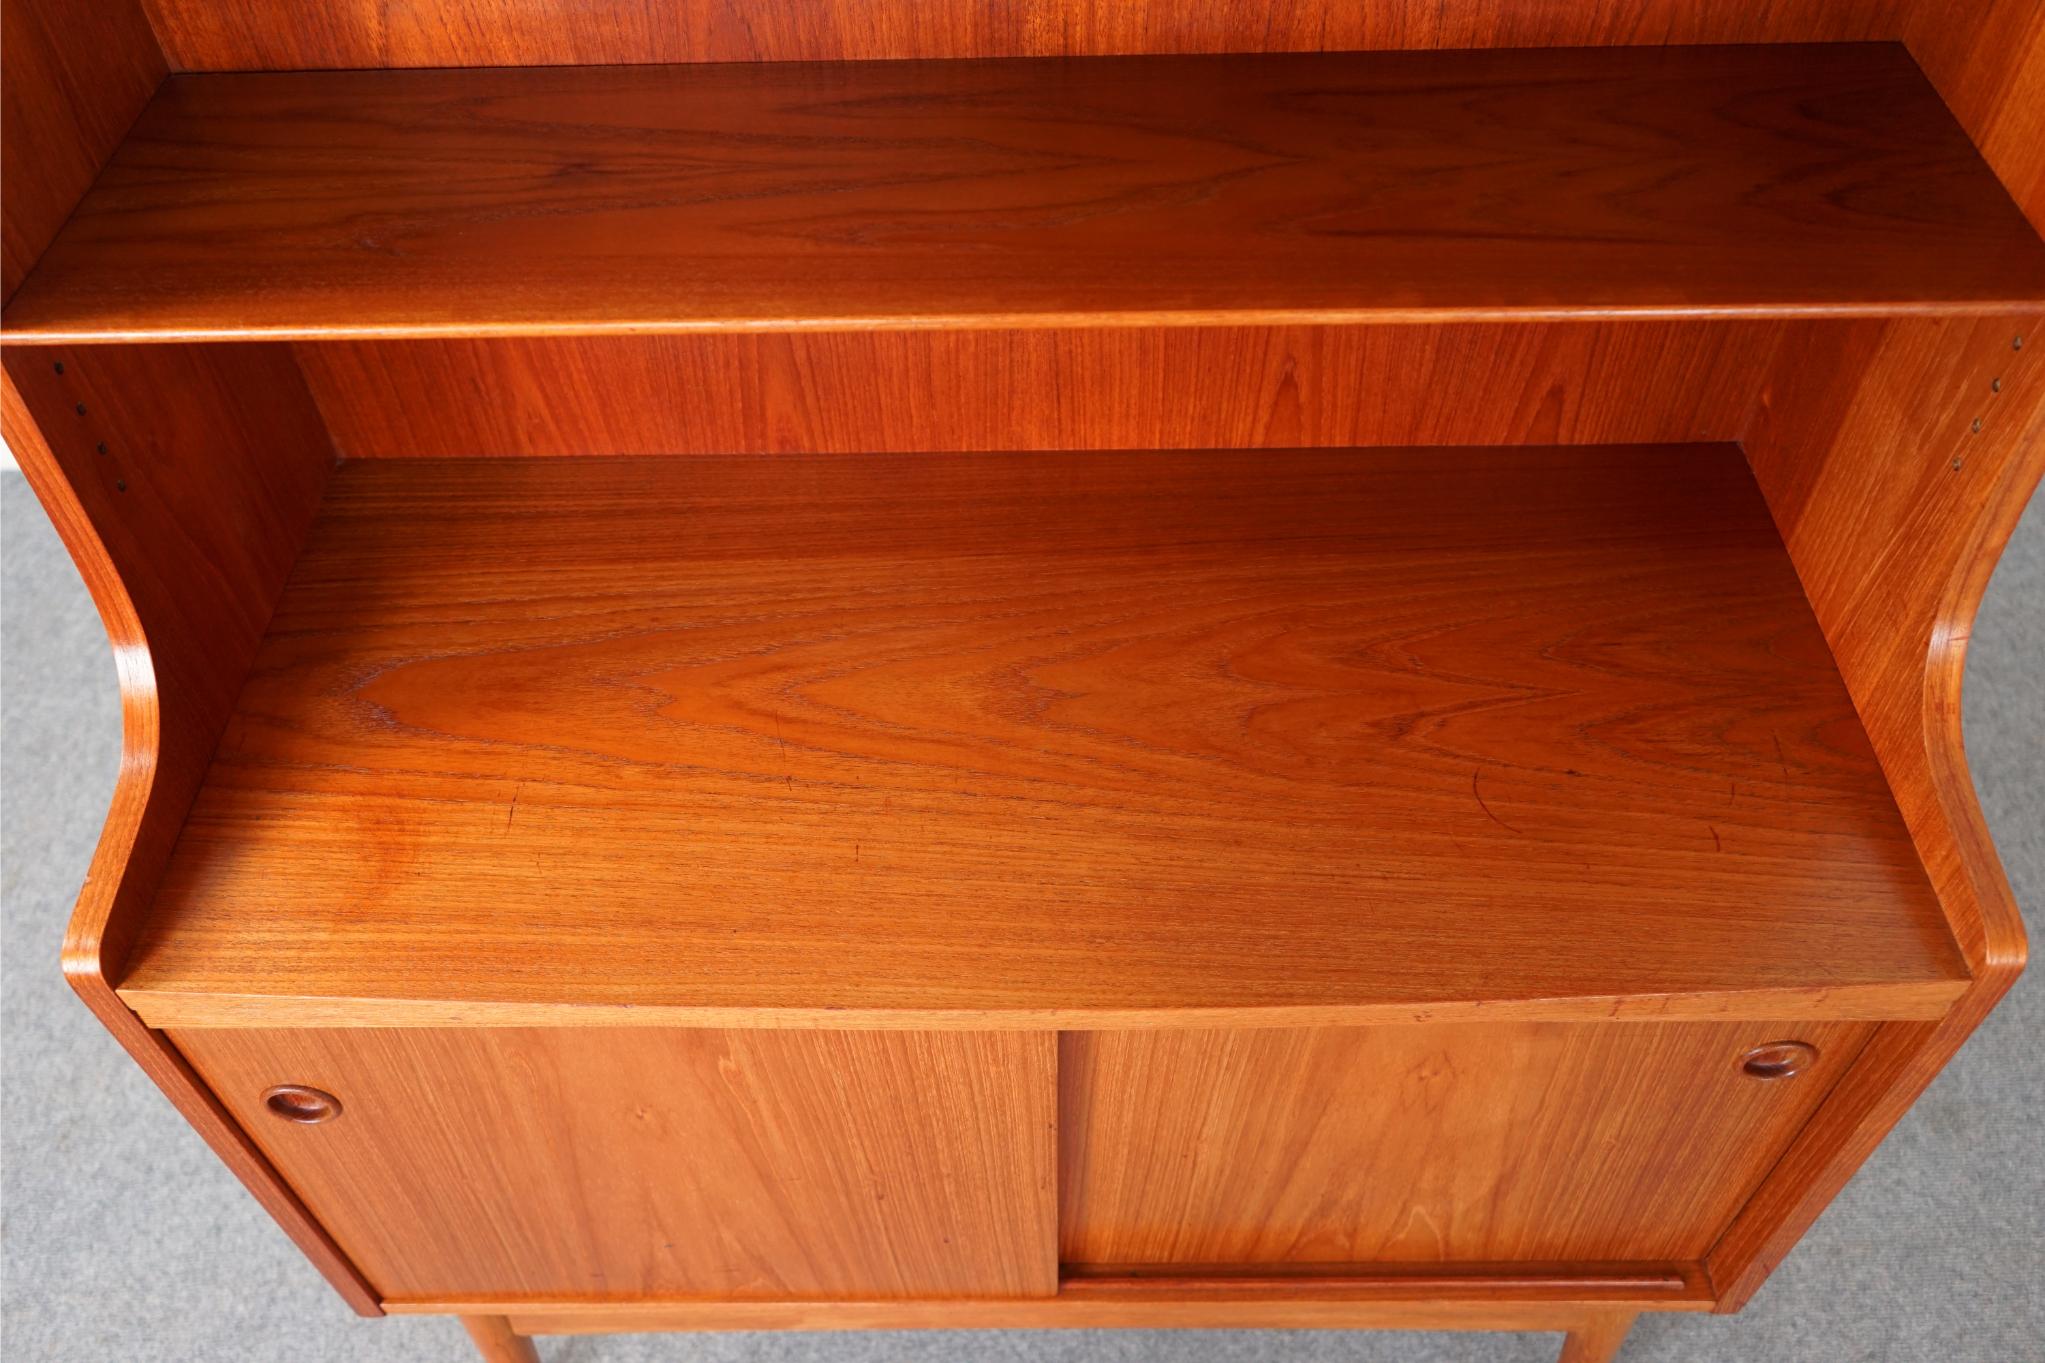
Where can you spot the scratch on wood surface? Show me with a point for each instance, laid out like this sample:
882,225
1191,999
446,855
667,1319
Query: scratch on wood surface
1487,808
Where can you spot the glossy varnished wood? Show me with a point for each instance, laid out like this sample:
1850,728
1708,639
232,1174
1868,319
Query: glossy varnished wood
1893,502
1129,738
235,35
1898,459
1479,1142
1987,57
182,481
1391,186
649,1163
76,74
1098,388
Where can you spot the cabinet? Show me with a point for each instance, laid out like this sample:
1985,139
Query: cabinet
1151,670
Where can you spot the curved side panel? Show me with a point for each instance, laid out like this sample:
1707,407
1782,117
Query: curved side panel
1897,458
182,480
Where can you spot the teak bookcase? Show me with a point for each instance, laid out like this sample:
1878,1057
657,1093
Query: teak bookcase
1252,664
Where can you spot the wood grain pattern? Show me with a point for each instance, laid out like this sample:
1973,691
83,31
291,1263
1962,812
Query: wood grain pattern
235,35
1476,1142
183,529
1898,458
76,73
1987,57
1121,388
1371,187
1893,504
1129,738
647,1163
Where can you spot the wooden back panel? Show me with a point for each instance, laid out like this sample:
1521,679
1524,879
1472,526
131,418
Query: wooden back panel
1146,388
212,35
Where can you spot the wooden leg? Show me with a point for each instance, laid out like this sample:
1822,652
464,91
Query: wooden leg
498,1344
1598,1339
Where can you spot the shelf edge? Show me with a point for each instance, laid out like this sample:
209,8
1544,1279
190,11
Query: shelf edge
1904,1001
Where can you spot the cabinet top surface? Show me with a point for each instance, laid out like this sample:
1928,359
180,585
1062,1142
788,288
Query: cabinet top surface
1054,738
1773,180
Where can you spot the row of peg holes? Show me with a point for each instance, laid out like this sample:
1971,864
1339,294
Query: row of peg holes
1994,386
99,447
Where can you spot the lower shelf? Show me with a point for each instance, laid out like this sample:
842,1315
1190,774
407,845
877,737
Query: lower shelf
1045,740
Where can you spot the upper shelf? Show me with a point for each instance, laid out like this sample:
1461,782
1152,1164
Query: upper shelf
1765,180
1045,739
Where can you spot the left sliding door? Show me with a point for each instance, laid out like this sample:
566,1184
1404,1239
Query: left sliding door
597,1163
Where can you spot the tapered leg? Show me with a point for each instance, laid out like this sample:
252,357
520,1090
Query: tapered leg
497,1343
1598,1339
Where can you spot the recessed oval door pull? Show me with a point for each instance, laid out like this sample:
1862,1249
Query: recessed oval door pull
297,1103
1778,1060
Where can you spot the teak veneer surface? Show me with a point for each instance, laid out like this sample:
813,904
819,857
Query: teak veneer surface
1482,1142
1044,388
1769,180
1987,57
653,1162
1057,738
76,76
241,35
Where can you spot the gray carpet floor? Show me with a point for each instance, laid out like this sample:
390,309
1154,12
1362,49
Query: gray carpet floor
125,1240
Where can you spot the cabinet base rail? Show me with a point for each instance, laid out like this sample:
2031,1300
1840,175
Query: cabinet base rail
1594,1309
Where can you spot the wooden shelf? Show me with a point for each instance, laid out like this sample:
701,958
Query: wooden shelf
1765,180
1078,739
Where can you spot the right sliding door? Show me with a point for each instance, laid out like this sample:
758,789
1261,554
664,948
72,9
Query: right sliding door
1470,1143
